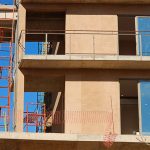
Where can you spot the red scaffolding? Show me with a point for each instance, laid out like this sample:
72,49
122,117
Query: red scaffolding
35,116
6,67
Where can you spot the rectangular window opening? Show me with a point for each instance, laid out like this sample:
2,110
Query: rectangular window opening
45,33
44,105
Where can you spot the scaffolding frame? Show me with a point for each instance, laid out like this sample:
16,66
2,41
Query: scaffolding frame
6,71
35,116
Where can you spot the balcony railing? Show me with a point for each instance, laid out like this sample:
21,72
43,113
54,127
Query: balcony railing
85,43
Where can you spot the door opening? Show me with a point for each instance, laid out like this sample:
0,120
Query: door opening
129,106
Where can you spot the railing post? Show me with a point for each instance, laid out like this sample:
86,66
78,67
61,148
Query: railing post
140,46
117,45
70,47
46,43
93,47
27,118
44,118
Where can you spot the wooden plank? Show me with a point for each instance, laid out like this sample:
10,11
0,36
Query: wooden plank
57,47
51,118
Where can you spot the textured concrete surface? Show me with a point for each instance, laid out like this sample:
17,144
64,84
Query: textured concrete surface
7,7
89,1
91,42
8,15
15,141
85,61
69,137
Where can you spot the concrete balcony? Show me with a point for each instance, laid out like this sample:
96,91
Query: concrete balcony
6,12
71,141
7,15
7,7
85,61
84,50
89,1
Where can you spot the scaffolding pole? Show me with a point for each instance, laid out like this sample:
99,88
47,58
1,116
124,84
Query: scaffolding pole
6,68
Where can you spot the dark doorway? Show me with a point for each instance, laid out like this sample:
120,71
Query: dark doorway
129,106
127,37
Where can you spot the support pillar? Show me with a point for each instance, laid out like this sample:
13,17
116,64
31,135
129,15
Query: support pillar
19,76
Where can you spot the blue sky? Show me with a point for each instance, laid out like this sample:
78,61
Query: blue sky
8,2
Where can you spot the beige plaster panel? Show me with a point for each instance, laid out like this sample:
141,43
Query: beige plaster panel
73,104
91,43
95,104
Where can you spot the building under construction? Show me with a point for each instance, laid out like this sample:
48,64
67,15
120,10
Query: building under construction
75,74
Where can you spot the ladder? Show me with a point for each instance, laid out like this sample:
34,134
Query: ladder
5,82
6,68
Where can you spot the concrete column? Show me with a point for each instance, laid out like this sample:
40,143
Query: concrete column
21,31
19,77
19,101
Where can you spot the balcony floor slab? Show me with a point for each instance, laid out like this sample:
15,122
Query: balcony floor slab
57,141
85,61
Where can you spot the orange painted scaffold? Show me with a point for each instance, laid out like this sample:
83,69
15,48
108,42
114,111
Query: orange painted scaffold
6,69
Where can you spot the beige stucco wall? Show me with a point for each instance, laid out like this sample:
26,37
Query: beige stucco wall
91,106
81,42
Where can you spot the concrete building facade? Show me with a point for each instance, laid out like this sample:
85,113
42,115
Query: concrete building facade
91,59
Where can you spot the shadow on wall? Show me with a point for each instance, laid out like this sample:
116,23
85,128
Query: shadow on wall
88,74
